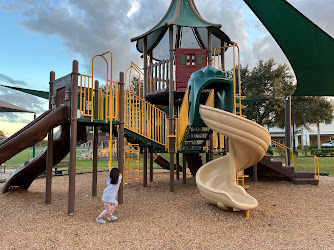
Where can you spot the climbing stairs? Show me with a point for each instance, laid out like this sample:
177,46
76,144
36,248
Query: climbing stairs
195,139
268,168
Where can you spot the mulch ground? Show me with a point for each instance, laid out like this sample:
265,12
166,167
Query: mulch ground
288,217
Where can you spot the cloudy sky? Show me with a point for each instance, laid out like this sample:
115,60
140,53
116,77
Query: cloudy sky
40,36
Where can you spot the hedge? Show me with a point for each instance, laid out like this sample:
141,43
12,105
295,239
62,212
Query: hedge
322,152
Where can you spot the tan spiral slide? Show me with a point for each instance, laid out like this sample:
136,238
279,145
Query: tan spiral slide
248,142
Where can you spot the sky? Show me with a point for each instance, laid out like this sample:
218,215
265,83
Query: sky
39,36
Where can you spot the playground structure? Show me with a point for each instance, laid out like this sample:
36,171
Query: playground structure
169,117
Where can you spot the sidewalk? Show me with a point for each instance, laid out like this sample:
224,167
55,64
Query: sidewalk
4,176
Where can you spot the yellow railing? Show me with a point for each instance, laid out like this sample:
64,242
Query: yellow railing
87,93
236,76
240,176
316,168
86,96
145,119
131,157
109,102
182,121
286,151
128,85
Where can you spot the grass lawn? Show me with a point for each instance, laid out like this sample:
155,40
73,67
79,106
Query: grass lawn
326,164
301,163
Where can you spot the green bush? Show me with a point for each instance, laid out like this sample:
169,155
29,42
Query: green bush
280,151
305,150
322,152
270,151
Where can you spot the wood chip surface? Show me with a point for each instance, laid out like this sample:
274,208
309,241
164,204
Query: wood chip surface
288,217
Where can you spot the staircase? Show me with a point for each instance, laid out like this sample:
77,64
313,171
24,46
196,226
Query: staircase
268,168
195,139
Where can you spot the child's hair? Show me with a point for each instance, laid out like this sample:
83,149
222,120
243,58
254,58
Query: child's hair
114,174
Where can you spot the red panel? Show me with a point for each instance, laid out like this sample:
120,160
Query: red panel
183,72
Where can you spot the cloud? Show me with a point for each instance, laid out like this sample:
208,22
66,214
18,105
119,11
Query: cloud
27,101
4,79
90,27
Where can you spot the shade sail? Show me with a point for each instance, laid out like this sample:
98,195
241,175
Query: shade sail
39,93
7,107
308,48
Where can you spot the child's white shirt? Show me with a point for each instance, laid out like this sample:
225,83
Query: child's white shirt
110,192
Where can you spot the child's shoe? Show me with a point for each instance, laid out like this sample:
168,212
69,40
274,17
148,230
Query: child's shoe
101,221
112,218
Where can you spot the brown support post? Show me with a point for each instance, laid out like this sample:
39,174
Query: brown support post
151,167
95,139
49,157
171,109
145,167
209,51
95,144
73,142
177,166
145,87
255,173
225,145
121,135
184,169
211,152
222,56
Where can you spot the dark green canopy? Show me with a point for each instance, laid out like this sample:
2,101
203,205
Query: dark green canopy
39,93
308,48
182,13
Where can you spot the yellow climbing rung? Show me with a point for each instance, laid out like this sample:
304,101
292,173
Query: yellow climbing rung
131,162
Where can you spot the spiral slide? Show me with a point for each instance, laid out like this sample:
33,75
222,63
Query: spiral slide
216,180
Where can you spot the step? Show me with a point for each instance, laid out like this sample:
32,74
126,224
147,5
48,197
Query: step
303,175
303,181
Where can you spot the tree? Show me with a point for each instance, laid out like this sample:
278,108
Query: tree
2,133
267,85
136,87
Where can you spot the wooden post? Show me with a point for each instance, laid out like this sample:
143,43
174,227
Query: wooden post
184,169
255,173
95,139
222,56
73,142
288,126
177,166
145,87
121,134
145,167
49,156
211,152
171,109
151,167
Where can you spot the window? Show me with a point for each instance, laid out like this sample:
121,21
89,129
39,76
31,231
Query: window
191,59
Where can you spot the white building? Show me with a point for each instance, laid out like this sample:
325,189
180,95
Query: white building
305,136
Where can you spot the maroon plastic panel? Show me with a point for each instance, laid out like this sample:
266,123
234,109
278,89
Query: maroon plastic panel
186,62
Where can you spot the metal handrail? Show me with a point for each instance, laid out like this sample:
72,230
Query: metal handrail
286,151
236,94
139,71
144,119
316,168
86,96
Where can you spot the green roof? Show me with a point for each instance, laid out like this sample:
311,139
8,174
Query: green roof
181,13
308,48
